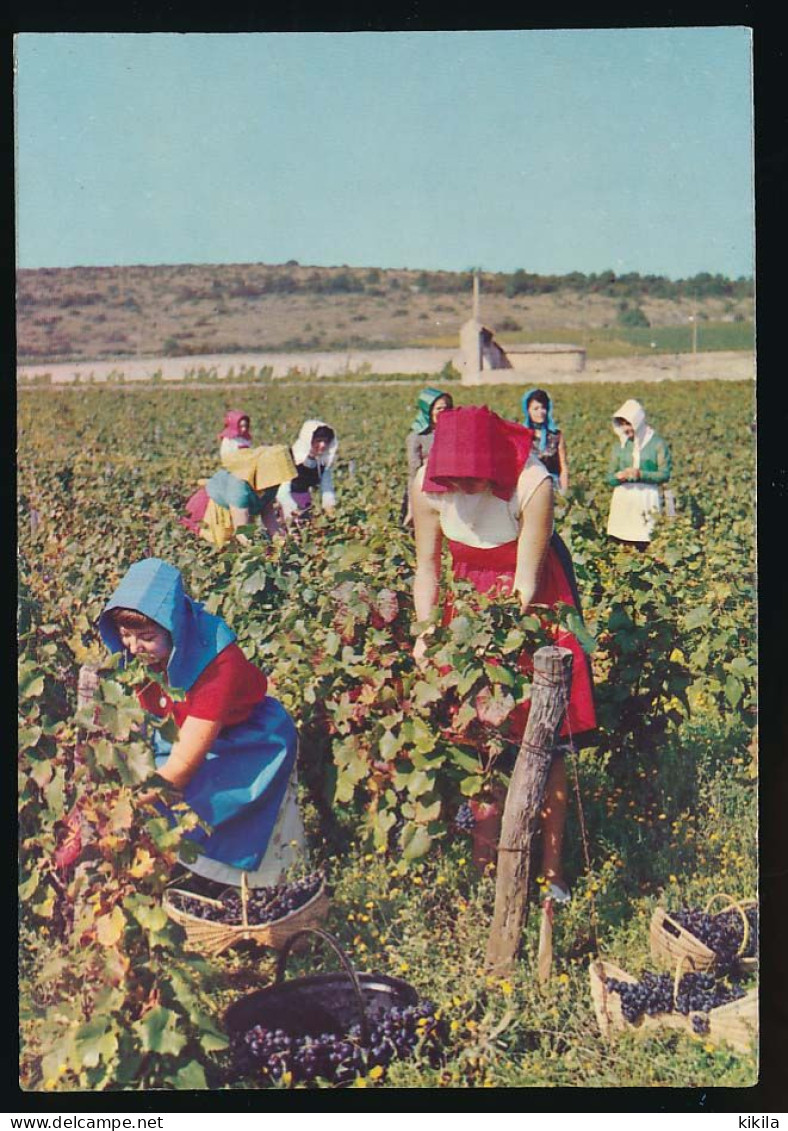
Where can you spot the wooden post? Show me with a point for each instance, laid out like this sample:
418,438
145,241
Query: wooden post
549,701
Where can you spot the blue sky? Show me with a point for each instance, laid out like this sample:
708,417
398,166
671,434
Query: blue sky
550,150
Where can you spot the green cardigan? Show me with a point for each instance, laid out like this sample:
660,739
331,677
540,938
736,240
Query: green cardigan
654,461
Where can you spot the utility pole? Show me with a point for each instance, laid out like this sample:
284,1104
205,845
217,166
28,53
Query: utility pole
476,296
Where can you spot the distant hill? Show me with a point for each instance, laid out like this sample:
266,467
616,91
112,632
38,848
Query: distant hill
83,313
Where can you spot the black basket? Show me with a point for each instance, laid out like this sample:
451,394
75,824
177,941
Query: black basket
319,1003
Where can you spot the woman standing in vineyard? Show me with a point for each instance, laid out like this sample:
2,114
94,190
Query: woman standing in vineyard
549,440
431,404
491,498
639,463
233,761
313,454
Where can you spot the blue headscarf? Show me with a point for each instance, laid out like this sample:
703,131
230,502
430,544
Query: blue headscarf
155,588
427,398
549,424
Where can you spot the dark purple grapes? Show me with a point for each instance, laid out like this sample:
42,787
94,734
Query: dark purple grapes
653,994
339,1058
464,819
265,905
721,933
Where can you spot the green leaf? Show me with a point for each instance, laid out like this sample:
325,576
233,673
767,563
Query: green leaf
470,786
212,1039
151,916
415,841
113,692
30,681
497,673
426,813
733,690
28,887
29,736
425,692
389,745
419,783
95,1041
574,622
351,769
54,793
467,679
158,1032
515,638
121,816
697,617
465,761
138,760
190,1077
461,630
42,773
255,582
109,927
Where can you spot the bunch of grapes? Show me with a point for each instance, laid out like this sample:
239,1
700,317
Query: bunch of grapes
721,933
464,819
265,905
653,994
336,1057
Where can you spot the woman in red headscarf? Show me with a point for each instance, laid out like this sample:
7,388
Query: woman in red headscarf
491,499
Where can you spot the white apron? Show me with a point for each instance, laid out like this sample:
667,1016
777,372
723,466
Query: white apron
632,510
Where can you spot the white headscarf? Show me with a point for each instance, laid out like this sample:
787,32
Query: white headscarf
633,412
302,447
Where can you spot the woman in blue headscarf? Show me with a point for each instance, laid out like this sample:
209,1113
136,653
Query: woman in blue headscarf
549,442
430,405
234,758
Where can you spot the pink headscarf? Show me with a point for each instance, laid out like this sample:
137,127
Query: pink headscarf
476,443
231,421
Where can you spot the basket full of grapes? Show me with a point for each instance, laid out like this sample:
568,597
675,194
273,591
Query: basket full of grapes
267,915
723,939
702,1003
332,1027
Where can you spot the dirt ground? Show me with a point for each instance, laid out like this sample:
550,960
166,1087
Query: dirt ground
719,366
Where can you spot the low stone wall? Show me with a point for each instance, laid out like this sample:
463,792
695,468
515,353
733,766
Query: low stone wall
536,361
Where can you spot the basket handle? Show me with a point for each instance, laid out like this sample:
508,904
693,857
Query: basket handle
244,900
732,904
346,966
677,978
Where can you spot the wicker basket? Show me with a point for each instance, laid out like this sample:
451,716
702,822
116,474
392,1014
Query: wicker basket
735,1023
213,938
671,942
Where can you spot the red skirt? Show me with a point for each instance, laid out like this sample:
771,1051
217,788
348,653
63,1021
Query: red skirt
492,571
196,506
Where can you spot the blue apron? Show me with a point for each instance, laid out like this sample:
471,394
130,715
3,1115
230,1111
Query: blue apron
239,788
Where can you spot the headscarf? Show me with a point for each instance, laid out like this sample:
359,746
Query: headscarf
427,398
475,442
634,414
549,423
155,589
303,444
232,419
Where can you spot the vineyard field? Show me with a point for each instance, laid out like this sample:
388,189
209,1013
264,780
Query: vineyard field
662,808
